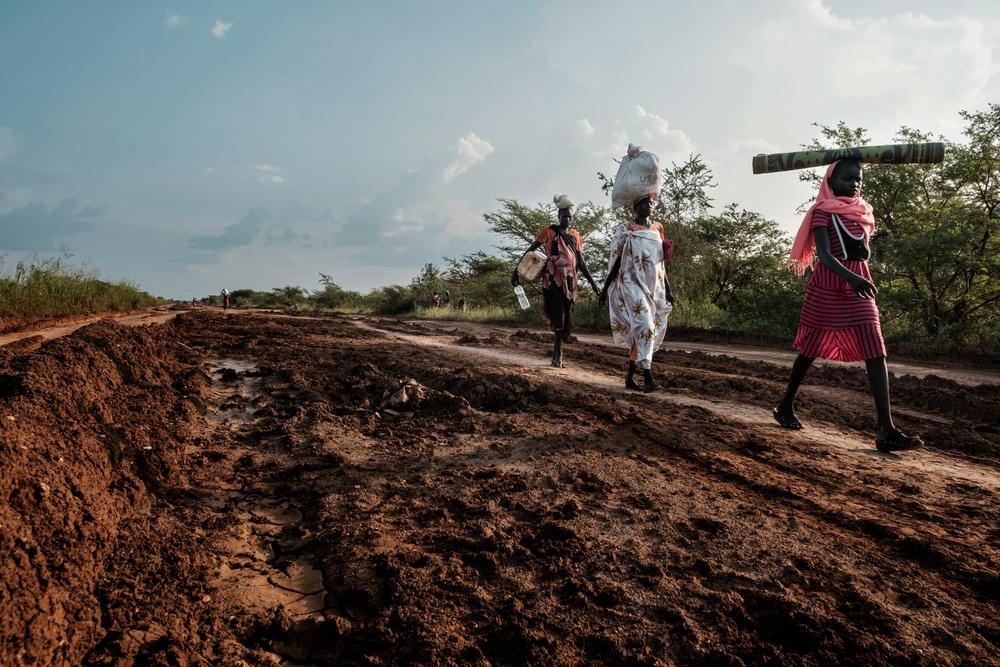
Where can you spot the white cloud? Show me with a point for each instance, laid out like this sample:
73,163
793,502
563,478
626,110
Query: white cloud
614,147
469,151
220,28
584,128
743,147
268,173
173,20
210,170
659,124
8,143
909,67
657,128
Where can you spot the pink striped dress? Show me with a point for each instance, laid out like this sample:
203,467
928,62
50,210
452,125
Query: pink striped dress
836,323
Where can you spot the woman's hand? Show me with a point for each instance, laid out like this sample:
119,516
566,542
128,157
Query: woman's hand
864,288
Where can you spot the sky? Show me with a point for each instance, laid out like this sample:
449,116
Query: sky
191,146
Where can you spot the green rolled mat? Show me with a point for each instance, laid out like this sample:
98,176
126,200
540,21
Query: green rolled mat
926,153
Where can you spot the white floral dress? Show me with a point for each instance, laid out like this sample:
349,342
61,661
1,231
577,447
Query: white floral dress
637,298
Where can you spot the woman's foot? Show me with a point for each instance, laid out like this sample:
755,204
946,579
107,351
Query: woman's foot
786,419
630,382
569,338
648,383
897,441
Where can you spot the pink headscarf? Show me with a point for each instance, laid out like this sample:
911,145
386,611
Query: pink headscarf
853,208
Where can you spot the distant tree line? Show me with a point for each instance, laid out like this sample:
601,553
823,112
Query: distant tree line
936,257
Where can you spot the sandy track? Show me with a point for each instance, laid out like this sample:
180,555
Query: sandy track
779,357
157,315
850,444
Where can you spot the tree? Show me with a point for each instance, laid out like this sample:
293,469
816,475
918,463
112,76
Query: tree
333,296
484,280
744,250
684,199
426,284
685,194
518,225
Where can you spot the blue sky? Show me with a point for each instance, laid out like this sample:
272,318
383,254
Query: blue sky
195,146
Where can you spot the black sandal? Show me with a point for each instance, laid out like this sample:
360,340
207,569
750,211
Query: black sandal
898,442
786,420
648,383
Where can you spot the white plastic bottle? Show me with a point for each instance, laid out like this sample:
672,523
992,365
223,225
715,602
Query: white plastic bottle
522,298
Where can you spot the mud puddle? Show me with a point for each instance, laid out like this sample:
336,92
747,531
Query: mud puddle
263,572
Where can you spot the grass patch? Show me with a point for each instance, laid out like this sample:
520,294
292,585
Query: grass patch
41,288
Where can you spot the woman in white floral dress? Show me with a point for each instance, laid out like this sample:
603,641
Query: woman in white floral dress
638,292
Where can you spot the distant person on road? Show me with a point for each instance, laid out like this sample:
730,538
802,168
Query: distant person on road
560,282
461,303
225,299
637,291
840,320
436,300
446,299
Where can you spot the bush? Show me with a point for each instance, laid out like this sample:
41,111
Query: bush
52,288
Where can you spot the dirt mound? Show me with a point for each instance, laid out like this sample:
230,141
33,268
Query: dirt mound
89,427
251,489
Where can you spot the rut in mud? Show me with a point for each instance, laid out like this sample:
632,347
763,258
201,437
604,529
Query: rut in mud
265,490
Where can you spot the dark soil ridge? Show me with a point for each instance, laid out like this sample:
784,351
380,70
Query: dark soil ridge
89,436
459,513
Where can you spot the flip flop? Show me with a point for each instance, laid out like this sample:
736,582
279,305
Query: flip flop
789,421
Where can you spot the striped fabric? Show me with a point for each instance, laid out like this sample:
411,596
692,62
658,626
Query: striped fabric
836,323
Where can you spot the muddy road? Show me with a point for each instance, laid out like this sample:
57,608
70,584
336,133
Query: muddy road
252,489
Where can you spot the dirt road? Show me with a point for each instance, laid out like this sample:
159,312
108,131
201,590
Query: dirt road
255,489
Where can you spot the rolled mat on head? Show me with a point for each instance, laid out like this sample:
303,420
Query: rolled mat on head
927,153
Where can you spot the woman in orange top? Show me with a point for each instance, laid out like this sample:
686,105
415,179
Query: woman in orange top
560,285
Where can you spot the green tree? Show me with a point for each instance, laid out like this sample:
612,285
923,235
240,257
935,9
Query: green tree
685,198
389,300
333,296
686,192
518,225
484,280
744,250
426,284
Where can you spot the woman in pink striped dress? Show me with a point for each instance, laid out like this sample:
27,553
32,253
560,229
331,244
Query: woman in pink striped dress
840,319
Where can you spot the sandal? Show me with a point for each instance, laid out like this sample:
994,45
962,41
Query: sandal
569,338
898,442
786,420
632,384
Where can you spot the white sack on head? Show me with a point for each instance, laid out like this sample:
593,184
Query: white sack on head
638,176
562,201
